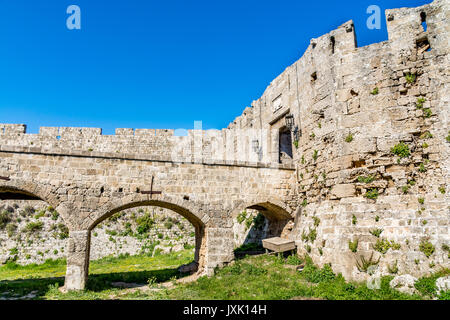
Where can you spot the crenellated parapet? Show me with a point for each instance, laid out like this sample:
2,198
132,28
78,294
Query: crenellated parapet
227,146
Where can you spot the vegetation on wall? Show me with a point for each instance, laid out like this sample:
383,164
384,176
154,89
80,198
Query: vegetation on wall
401,150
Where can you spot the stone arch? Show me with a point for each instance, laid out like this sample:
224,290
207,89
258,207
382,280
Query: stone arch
189,210
279,217
272,210
183,207
36,191
30,189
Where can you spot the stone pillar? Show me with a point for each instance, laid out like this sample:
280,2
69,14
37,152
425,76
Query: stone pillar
219,248
77,260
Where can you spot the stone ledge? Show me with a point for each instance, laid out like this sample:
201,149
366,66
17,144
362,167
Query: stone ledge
141,157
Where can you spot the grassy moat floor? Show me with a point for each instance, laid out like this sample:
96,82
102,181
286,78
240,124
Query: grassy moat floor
262,277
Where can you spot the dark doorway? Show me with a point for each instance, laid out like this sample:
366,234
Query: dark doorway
285,145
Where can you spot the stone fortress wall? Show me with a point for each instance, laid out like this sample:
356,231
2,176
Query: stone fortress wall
352,105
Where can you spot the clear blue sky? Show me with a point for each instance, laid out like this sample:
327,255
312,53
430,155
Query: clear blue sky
157,64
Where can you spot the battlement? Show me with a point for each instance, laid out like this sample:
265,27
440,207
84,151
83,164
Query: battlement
339,48
218,147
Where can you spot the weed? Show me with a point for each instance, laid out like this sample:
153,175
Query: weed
316,221
293,260
349,138
315,155
353,245
144,223
316,275
420,102
427,112
363,265
422,168
34,226
5,218
405,189
241,217
426,135
427,248
372,193
383,245
11,229
394,268
40,214
376,232
401,150
410,78
366,179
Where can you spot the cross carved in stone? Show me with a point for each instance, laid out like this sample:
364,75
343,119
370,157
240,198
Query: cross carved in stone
151,192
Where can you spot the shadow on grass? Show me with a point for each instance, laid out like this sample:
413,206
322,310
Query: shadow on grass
100,282
28,288
37,288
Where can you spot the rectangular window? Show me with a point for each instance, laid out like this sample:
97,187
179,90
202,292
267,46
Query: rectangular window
276,103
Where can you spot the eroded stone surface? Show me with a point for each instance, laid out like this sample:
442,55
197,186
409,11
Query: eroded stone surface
404,283
350,106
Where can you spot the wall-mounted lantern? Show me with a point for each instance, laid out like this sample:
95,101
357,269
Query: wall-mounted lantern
289,121
290,125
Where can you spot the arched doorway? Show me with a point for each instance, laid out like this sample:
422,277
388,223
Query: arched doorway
256,221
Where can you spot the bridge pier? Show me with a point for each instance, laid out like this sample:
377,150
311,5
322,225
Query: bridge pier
219,249
77,260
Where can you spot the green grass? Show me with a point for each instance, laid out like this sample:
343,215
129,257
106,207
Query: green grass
21,280
269,278
262,277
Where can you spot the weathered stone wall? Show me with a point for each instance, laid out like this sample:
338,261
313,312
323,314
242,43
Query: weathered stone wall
352,106
87,188
226,146
371,160
117,235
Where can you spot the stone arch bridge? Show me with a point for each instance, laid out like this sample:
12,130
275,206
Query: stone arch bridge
87,186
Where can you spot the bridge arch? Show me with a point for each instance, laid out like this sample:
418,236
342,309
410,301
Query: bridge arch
192,212
21,189
77,273
29,190
272,209
278,221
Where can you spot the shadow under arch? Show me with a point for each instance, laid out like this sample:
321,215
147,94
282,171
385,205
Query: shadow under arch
278,219
183,208
16,189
